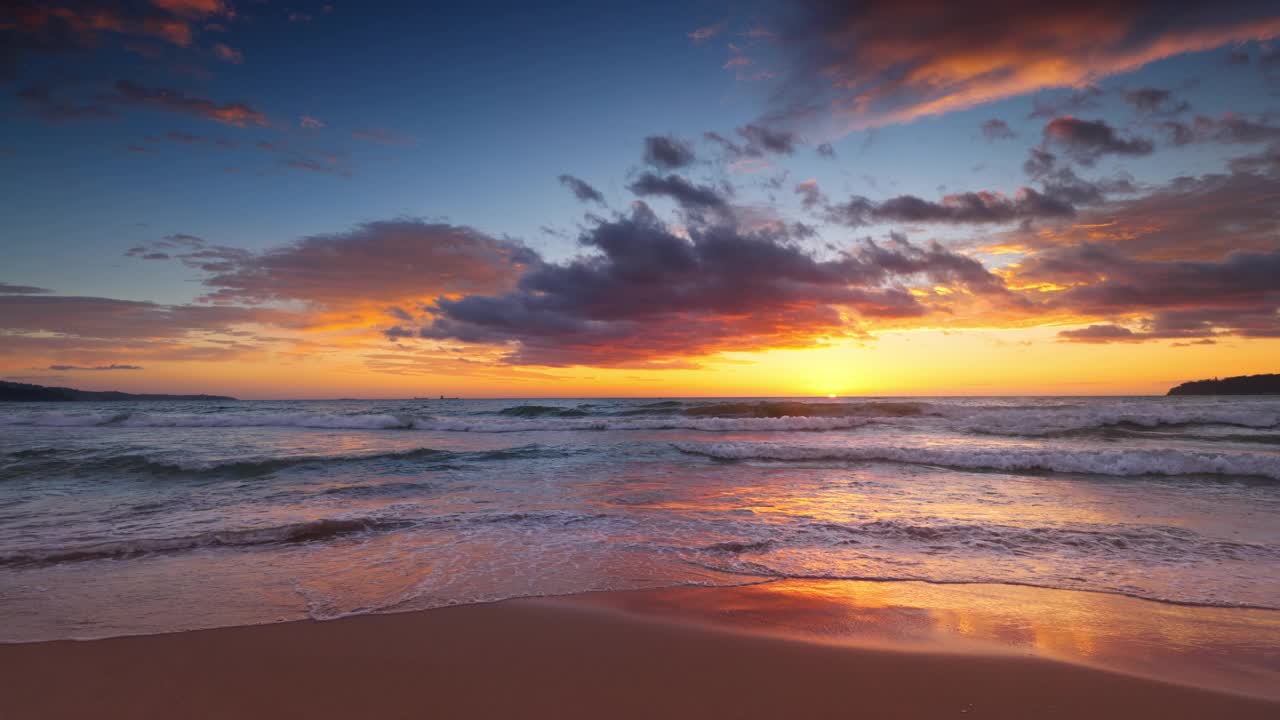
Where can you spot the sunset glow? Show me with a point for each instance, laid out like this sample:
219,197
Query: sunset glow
1078,201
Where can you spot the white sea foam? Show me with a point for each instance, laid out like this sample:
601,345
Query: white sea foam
1091,461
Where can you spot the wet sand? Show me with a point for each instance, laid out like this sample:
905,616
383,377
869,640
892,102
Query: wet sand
682,653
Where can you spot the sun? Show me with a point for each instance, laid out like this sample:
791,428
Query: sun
832,396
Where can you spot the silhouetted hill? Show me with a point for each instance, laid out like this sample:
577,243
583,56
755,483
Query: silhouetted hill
1240,385
22,392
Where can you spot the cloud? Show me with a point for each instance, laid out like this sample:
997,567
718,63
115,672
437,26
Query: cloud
1228,129
382,136
375,263
667,153
1235,295
1088,140
1101,334
689,196
770,140
227,53
811,196
67,26
826,150
1155,101
758,140
95,368
309,123
879,62
647,295
167,99
7,289
581,189
1085,98
1189,218
703,34
960,208
104,318
997,129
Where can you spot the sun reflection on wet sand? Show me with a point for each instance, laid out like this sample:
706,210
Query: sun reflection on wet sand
1230,649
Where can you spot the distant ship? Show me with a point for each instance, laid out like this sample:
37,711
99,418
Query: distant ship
439,398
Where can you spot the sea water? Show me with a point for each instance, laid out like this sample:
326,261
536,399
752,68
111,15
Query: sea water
122,518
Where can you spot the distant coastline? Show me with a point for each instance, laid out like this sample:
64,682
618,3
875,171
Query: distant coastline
24,392
1240,385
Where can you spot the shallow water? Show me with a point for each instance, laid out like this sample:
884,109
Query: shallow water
120,518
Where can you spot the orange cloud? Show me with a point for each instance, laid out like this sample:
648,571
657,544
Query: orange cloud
879,63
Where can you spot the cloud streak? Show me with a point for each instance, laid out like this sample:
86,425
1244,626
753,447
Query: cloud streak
170,100
881,62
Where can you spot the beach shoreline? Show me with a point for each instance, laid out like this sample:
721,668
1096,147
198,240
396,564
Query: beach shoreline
743,652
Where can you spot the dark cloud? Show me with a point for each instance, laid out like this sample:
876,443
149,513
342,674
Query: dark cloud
960,208
647,295
768,140
877,62
1075,101
997,129
811,196
1101,334
826,150
170,100
1155,101
581,189
7,289
1229,128
1087,140
689,196
1237,295
1266,162
94,368
1189,218
667,153
757,140
1061,182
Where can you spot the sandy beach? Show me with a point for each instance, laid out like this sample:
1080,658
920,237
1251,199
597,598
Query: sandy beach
592,656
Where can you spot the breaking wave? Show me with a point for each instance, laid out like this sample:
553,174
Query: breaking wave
300,532
526,420
1130,462
53,460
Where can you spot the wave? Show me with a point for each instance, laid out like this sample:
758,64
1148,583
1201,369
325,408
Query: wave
531,421
537,411
1093,462
319,530
781,409
51,461
1055,420
709,424
1153,543
300,532
212,420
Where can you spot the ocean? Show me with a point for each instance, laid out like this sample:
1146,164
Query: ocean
126,518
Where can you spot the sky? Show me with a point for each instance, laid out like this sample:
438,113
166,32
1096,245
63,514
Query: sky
341,199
